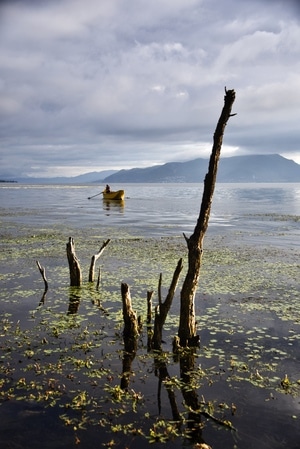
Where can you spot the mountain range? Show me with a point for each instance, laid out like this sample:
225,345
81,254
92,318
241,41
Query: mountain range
254,168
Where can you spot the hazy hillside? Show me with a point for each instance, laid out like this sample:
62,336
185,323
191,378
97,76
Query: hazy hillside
256,168
80,179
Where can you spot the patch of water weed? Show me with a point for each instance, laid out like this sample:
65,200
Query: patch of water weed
66,353
278,217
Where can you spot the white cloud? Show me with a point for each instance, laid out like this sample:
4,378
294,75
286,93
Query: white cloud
115,84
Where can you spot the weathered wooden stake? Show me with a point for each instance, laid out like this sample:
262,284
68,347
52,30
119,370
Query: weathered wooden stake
187,325
75,271
94,260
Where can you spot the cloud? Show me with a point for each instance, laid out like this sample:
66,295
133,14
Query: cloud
94,85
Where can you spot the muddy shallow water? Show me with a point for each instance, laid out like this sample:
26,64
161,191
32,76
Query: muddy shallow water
61,354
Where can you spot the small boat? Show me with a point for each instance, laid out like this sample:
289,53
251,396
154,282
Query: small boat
117,195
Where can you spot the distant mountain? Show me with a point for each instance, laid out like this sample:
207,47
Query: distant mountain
256,168
96,177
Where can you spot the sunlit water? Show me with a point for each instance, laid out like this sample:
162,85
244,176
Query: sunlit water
157,209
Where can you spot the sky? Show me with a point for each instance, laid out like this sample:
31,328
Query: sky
97,85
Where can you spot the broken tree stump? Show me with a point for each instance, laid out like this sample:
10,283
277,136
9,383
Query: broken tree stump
94,260
131,325
187,325
75,270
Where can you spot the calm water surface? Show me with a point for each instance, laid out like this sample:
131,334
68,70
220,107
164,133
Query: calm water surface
232,327
157,209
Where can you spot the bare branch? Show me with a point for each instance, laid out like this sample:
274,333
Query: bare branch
43,273
94,260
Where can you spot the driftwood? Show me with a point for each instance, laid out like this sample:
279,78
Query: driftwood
75,270
187,325
94,260
163,308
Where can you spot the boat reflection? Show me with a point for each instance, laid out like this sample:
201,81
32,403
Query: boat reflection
113,205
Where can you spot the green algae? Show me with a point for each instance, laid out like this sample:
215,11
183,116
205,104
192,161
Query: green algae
67,351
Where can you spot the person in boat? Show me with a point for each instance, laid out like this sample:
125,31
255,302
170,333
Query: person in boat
107,189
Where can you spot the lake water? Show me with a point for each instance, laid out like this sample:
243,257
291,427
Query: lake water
158,209
61,356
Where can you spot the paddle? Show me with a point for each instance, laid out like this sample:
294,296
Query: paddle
90,197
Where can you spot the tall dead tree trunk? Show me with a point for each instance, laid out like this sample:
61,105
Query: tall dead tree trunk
187,324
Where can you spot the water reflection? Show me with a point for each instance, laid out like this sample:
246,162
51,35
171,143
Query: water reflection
191,399
43,298
161,371
113,206
74,300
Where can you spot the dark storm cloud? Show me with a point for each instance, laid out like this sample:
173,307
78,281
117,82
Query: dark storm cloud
94,85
